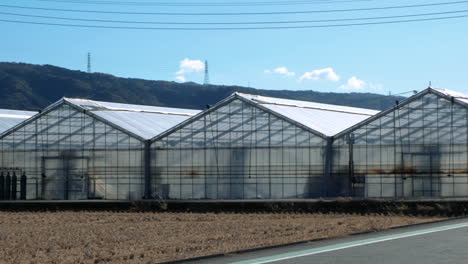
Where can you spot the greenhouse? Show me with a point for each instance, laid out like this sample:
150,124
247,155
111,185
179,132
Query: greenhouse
416,149
9,119
244,147
251,147
83,149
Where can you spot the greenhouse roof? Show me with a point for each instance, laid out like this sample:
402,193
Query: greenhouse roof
141,120
324,118
444,93
11,118
458,96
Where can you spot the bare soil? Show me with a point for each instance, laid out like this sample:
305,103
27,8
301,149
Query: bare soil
127,237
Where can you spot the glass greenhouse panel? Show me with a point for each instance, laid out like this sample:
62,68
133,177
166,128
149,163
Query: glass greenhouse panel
67,154
417,150
238,151
11,118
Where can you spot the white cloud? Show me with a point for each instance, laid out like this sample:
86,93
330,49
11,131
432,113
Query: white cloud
325,73
180,78
354,83
281,71
187,66
284,71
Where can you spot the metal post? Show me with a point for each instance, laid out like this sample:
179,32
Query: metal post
7,187
327,169
2,186
14,181
147,169
351,177
269,157
66,175
23,187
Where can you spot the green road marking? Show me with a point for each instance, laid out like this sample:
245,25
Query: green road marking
351,244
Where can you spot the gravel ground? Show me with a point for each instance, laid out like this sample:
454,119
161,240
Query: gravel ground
125,237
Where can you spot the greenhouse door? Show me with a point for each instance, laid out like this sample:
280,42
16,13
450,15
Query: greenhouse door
64,178
419,179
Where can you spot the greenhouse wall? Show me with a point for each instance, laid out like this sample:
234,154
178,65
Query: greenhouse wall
65,153
418,149
238,151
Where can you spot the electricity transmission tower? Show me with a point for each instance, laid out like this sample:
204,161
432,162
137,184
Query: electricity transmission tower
89,62
207,76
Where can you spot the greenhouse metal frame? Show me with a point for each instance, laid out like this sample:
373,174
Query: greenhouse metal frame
244,147
416,149
81,149
251,147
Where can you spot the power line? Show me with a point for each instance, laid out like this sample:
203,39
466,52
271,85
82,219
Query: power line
413,92
238,13
237,28
236,23
212,4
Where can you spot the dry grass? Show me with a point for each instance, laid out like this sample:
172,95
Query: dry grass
98,237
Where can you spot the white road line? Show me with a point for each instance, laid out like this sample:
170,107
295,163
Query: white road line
314,251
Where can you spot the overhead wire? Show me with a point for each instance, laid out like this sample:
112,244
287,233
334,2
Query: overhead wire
397,18
238,13
413,92
237,28
235,23
210,4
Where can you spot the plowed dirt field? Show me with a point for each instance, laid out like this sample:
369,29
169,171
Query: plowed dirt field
127,237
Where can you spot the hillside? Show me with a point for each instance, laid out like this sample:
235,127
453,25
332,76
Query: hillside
32,87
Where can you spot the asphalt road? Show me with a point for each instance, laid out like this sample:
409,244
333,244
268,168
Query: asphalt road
442,242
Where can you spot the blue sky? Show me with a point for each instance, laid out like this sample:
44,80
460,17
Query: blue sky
386,58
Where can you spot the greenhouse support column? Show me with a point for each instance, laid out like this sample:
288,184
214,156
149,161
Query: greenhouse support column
328,167
147,169
351,177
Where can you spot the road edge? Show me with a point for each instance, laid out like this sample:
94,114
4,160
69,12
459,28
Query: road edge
305,241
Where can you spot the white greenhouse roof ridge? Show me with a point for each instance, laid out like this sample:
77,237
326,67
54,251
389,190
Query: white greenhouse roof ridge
459,96
142,120
307,104
11,118
108,106
324,118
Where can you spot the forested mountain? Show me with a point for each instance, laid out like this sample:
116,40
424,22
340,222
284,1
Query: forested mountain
32,87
